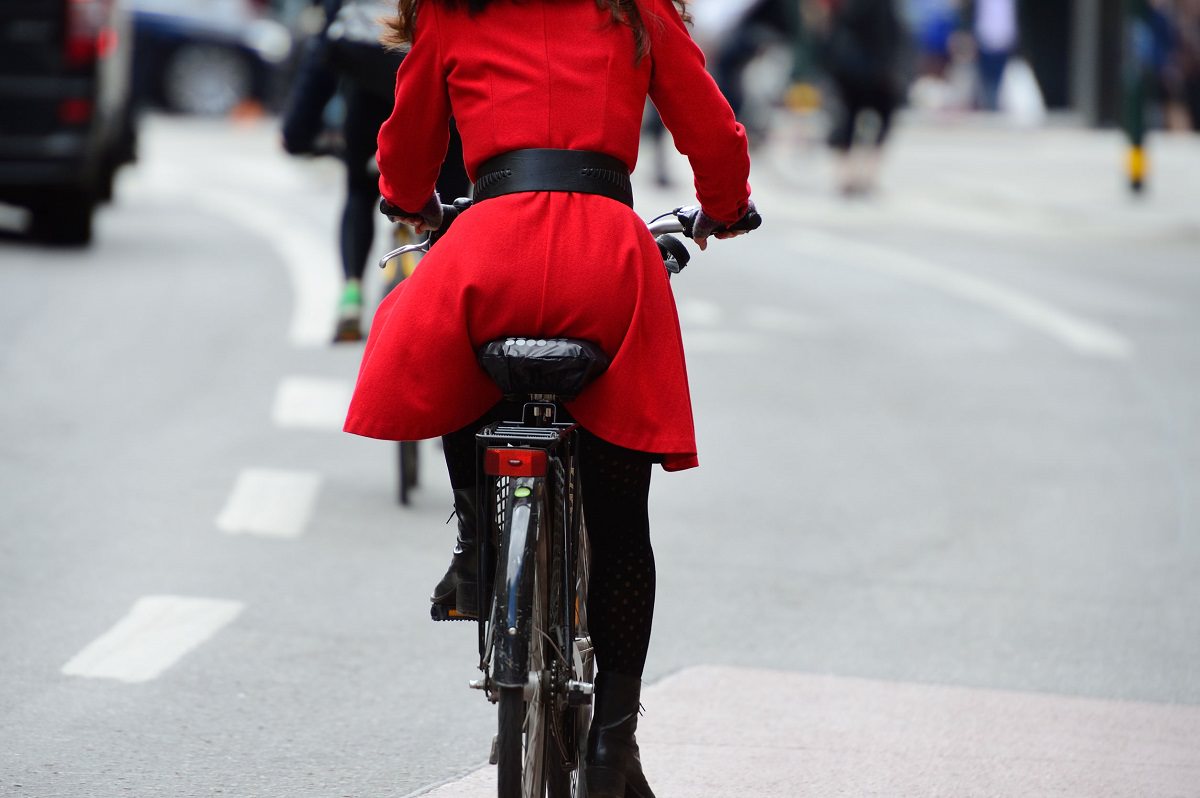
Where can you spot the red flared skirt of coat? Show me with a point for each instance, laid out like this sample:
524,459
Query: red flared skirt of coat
553,265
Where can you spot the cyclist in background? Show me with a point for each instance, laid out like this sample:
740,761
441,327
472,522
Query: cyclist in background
348,54
864,54
548,96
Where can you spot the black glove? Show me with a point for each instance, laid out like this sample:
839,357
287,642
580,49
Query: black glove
428,218
705,226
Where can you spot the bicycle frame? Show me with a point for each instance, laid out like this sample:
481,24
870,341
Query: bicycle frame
532,554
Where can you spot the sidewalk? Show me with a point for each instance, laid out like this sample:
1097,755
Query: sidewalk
711,732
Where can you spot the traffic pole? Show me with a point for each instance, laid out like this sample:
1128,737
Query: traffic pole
1134,96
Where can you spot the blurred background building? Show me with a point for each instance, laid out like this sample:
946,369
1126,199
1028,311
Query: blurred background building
95,63
1081,52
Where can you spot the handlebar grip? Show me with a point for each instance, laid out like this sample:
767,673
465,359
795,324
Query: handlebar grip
449,214
388,209
751,221
687,218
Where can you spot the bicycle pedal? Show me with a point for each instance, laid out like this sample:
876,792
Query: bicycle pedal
494,756
440,613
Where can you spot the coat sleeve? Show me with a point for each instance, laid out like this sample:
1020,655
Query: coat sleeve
413,140
697,114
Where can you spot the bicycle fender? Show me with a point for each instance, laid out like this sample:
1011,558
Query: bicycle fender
514,600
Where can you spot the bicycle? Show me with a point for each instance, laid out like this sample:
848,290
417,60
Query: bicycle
395,269
535,652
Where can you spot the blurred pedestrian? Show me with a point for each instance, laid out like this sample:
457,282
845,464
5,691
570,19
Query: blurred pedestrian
1188,19
936,23
760,23
994,23
348,57
656,131
864,58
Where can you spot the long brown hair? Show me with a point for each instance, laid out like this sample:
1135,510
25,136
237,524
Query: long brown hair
626,12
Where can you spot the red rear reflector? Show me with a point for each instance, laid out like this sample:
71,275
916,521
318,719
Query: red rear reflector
81,52
85,31
106,43
514,463
75,111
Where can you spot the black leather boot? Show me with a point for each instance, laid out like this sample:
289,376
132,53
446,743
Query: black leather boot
613,768
455,596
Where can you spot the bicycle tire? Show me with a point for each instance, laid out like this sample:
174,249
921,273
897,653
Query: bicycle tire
509,743
407,468
578,718
524,758
568,720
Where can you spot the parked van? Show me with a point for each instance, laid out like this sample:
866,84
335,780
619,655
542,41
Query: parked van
66,117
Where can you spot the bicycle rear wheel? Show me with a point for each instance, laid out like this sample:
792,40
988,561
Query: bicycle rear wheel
570,714
526,713
510,748
407,467
577,715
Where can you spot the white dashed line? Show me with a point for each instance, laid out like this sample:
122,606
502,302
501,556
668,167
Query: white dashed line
157,633
312,403
270,503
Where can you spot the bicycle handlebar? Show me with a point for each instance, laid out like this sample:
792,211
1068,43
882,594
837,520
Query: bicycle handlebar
683,220
680,220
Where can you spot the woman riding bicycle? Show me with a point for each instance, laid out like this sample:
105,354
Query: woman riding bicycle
551,249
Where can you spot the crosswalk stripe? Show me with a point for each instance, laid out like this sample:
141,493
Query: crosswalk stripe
156,633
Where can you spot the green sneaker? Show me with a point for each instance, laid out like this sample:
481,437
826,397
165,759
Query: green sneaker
349,320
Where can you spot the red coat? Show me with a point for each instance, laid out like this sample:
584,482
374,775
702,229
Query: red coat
543,73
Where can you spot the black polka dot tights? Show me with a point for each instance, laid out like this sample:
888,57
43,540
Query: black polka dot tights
616,488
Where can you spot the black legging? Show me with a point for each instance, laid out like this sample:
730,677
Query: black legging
366,111
616,490
857,97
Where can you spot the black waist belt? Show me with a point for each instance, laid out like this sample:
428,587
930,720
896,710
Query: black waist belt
554,170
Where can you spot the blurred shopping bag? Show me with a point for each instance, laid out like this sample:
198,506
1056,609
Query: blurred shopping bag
712,20
1020,96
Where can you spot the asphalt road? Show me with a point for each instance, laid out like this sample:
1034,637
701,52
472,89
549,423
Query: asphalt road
948,436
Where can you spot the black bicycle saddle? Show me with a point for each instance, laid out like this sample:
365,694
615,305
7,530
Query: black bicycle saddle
559,366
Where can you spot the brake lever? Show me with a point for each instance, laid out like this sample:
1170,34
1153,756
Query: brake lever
449,214
422,246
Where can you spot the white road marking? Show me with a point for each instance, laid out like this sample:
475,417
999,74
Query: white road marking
713,732
723,342
157,633
312,403
270,503
700,312
777,320
308,256
1080,335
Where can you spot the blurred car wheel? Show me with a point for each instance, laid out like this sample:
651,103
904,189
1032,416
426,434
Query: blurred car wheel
63,221
206,79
